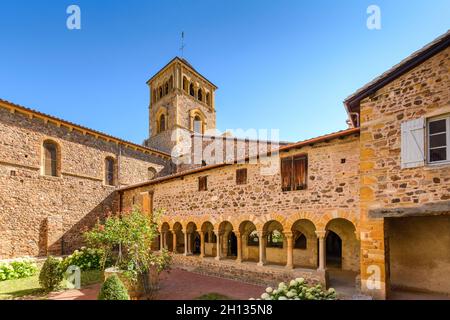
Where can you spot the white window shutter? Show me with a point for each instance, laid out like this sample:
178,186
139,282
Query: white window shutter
413,143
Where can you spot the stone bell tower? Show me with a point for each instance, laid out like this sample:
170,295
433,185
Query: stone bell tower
181,103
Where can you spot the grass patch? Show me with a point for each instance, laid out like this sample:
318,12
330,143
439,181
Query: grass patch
213,296
30,288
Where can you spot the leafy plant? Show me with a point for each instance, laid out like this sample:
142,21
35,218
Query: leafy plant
113,289
21,268
51,275
126,240
298,289
85,259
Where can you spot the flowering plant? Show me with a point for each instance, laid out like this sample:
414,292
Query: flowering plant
19,268
298,289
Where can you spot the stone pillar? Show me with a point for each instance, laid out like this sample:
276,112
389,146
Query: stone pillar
321,253
219,247
239,247
174,240
190,243
202,244
262,248
290,250
185,243
165,240
161,241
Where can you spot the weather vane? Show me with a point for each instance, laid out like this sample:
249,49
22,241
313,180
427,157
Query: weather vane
182,44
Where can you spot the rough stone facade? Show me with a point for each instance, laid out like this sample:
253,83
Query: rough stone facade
422,92
45,214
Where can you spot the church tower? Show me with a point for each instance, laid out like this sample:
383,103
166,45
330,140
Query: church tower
181,102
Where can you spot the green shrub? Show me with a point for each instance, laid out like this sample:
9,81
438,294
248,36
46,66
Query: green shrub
85,259
21,268
113,289
51,275
298,289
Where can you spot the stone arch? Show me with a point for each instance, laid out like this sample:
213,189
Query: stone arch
305,257
250,241
192,89
162,117
210,239
275,242
302,215
178,242
196,115
50,158
185,85
342,246
200,94
261,221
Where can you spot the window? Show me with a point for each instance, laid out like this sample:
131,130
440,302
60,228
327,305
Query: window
207,99
151,173
162,123
275,239
154,95
253,239
160,92
171,83
200,95
109,171
438,137
241,176
166,91
202,184
294,173
300,241
185,85
50,159
198,125
191,90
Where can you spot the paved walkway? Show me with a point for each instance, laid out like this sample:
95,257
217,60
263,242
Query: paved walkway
178,285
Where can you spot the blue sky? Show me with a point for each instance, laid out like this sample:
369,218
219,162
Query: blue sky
280,64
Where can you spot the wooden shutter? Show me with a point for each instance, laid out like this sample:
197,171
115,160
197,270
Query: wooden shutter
300,169
241,176
286,174
202,184
413,143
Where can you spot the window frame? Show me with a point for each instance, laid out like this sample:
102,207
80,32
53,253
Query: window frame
292,183
107,172
428,139
54,163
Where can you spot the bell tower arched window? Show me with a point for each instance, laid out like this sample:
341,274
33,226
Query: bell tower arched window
198,125
162,123
208,99
166,91
191,90
185,85
200,95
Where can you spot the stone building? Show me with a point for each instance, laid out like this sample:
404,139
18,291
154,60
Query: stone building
371,201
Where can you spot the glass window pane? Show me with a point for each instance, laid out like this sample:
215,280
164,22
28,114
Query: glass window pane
437,126
439,140
438,154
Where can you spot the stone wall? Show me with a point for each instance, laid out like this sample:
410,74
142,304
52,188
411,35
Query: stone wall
421,92
41,214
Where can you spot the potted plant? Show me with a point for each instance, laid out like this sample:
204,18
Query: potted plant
126,240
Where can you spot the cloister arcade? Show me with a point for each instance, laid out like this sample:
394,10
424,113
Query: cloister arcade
300,243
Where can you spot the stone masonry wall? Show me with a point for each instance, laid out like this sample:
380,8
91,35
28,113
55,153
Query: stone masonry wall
40,214
421,92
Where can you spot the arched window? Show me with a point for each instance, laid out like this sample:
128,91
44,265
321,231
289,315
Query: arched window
207,99
171,83
50,164
162,123
185,85
200,95
191,90
154,95
109,171
151,173
198,125
160,92
166,91
300,241
275,239
253,239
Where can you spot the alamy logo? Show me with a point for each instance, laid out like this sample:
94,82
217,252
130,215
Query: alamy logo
374,20
73,22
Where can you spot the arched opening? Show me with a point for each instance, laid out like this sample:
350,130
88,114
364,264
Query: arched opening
50,163
232,245
342,247
178,241
171,83
305,251
210,239
151,173
192,234
166,87
250,241
185,85
109,171
226,240
162,123
191,90
198,125
276,252
154,95
166,237
208,99
160,92
333,250
200,95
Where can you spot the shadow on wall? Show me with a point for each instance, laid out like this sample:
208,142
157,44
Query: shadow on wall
61,236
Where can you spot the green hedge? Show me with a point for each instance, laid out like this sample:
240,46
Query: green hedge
21,268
